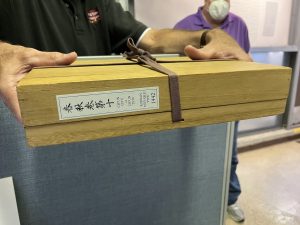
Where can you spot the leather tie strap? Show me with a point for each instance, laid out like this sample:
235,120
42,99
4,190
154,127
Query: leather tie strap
145,57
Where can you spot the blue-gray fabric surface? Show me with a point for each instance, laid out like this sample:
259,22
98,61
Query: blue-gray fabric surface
164,178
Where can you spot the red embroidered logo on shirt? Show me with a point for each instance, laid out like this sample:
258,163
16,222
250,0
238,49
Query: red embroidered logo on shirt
93,16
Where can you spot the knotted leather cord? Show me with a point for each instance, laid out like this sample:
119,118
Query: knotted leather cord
145,57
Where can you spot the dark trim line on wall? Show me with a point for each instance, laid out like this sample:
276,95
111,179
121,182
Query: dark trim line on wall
294,34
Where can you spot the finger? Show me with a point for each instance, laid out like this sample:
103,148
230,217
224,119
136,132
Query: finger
199,54
38,58
246,57
238,54
224,55
10,99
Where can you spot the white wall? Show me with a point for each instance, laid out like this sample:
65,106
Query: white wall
267,26
268,20
163,13
124,4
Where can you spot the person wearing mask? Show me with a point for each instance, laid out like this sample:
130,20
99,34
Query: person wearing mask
89,27
33,32
215,14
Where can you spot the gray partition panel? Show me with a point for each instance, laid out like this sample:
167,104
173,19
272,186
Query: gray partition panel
165,178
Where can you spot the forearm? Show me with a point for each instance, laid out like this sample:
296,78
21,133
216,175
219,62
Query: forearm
217,44
169,40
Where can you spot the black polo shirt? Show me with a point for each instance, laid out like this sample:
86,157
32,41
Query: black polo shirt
89,27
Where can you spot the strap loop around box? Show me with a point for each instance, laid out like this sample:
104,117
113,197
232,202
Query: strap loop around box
144,57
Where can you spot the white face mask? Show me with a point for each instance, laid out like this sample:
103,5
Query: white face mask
218,9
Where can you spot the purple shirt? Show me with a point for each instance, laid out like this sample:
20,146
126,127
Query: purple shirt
233,25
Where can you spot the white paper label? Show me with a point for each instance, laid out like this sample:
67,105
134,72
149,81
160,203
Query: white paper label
74,106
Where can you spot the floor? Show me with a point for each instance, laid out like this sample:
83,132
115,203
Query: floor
270,180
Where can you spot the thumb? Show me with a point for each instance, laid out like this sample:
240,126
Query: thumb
50,58
200,54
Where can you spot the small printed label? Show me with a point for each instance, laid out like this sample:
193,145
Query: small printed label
74,106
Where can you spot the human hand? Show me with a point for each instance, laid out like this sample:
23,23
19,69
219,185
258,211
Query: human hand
16,62
219,45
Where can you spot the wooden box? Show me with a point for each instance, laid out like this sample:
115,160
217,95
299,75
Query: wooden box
92,101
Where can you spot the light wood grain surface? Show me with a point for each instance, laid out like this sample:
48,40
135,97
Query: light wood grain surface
211,92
